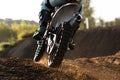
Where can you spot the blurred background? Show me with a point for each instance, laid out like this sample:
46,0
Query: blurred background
19,18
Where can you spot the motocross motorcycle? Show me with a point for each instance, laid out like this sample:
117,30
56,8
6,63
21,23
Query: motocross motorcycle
58,34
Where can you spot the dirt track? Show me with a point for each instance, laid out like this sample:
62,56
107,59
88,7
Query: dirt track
79,69
96,57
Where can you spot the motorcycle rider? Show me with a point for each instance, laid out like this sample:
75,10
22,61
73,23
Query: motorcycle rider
47,7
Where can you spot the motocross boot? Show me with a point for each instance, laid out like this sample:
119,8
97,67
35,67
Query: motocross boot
44,17
71,45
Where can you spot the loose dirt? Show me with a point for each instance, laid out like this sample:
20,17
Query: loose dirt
96,57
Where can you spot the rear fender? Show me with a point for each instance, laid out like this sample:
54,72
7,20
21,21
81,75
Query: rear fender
64,14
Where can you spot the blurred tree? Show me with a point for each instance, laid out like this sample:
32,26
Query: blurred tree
16,31
113,23
87,12
15,28
101,23
5,32
117,21
23,29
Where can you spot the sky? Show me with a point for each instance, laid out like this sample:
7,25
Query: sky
20,9
29,9
106,9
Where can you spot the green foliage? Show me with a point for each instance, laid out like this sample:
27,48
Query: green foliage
12,40
23,29
25,34
87,12
9,34
82,26
113,23
3,45
16,31
5,32
117,22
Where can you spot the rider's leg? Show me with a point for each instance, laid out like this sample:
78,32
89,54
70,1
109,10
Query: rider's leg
46,6
44,17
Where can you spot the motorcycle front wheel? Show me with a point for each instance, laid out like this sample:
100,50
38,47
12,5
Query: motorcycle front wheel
59,47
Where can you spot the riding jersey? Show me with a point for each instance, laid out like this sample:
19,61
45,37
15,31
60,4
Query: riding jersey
50,4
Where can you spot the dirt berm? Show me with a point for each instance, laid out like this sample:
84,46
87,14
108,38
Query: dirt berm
96,57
